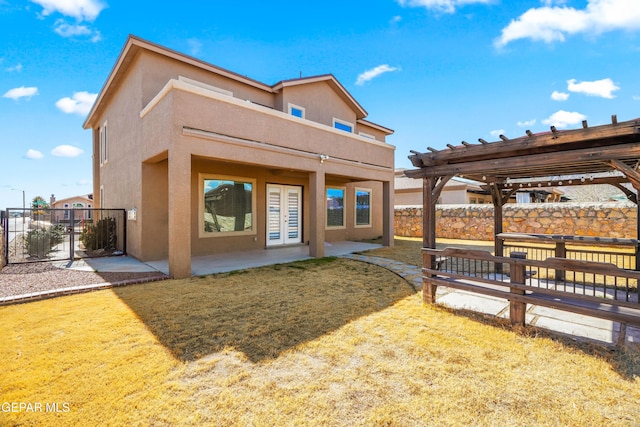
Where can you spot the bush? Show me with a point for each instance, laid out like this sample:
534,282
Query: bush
40,241
101,235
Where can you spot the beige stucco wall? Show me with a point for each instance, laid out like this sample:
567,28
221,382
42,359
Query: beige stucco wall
320,101
152,147
158,69
408,198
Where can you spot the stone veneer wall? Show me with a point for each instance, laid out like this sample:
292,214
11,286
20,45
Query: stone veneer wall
475,222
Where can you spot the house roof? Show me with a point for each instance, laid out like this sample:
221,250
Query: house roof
403,182
135,44
86,197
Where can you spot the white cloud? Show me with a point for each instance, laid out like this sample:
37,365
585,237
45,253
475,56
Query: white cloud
79,103
553,23
559,96
65,30
636,97
66,151
34,154
445,6
16,68
497,132
527,123
562,119
81,10
21,92
602,88
396,19
374,72
195,46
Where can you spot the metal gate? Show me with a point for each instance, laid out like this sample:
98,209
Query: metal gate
33,235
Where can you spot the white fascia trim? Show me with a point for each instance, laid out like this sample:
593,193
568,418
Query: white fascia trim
186,87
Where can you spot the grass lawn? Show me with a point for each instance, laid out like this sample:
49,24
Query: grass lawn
327,342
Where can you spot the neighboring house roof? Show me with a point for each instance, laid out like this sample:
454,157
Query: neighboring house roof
403,182
85,197
135,44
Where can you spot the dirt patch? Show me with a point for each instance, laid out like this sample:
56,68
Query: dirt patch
20,279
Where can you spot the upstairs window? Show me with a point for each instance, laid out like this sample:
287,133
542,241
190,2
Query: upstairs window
103,144
342,125
296,110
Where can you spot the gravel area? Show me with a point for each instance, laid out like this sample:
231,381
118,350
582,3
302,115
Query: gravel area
20,279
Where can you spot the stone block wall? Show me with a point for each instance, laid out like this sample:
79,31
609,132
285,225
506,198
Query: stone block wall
475,222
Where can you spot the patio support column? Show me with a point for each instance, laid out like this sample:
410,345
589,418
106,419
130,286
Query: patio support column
317,218
388,212
179,221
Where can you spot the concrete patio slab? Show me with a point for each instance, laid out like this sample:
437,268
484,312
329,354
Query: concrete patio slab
223,263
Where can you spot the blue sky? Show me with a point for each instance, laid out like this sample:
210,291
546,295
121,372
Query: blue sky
436,71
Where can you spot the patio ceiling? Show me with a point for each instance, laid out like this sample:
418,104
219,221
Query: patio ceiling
610,152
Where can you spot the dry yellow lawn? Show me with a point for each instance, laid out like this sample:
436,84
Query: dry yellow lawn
322,342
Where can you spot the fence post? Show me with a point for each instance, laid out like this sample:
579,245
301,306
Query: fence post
561,252
517,310
428,287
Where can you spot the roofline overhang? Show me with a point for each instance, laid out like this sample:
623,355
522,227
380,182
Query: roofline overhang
376,126
135,44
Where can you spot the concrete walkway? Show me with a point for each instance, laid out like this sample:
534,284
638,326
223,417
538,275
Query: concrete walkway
563,322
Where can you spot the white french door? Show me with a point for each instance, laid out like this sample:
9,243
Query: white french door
284,214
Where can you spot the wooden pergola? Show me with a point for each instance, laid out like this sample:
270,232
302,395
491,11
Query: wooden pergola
555,158
606,154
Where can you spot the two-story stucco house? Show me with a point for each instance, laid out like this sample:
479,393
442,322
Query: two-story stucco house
214,162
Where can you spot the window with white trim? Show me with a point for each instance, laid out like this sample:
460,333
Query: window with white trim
363,207
335,207
343,125
103,144
366,135
296,110
227,205
102,204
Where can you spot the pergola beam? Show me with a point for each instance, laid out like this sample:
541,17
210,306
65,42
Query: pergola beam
535,143
551,163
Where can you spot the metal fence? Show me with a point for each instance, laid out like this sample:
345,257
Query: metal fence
33,235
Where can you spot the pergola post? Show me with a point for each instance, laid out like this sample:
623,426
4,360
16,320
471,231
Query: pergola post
498,203
431,189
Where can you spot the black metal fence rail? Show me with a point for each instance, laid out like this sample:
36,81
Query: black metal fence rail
591,280
33,235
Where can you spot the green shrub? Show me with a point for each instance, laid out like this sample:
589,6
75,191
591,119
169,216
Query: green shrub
101,235
40,241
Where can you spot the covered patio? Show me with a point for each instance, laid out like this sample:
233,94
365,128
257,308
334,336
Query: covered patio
606,154
233,261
